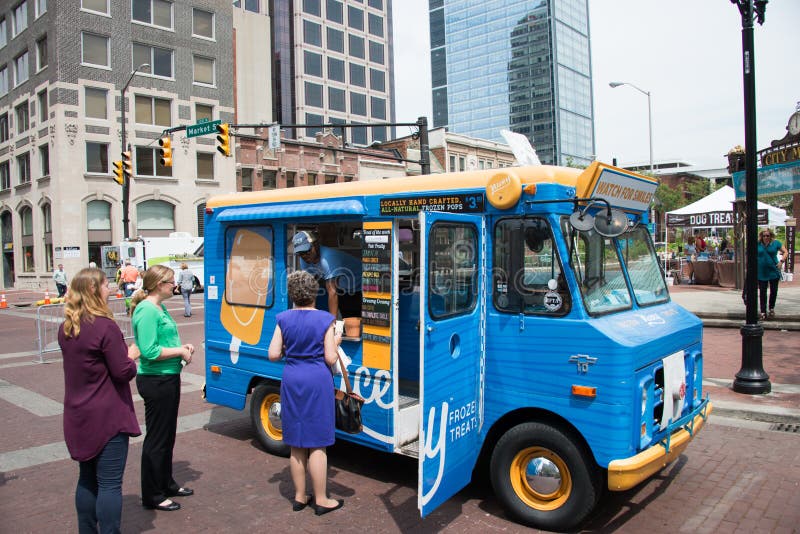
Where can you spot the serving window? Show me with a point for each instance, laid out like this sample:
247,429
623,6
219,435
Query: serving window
249,266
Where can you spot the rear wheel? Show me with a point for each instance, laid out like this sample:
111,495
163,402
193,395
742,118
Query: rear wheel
265,416
543,478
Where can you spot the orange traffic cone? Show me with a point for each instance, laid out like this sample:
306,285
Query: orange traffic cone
46,297
119,292
3,303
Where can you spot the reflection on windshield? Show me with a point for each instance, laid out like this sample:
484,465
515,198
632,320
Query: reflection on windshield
598,265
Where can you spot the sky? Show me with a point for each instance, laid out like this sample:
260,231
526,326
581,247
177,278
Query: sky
686,53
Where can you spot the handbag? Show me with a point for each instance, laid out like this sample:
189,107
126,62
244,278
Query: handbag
348,406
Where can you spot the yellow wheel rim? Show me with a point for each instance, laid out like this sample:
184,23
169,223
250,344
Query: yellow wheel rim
270,421
540,478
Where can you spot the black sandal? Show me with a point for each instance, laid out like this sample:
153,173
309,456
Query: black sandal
321,510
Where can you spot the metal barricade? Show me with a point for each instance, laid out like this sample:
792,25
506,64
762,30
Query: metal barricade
50,316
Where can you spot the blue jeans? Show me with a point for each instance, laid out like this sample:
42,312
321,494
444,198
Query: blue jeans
187,306
98,497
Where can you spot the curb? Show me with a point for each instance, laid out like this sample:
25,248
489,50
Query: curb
717,322
766,414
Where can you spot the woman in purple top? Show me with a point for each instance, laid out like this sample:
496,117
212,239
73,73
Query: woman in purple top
304,337
98,408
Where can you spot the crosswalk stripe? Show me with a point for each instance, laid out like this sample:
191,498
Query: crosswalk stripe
29,400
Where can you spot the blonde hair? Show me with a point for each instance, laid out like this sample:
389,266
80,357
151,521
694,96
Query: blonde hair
184,265
152,277
84,301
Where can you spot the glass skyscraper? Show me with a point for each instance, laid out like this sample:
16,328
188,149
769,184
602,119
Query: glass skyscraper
521,65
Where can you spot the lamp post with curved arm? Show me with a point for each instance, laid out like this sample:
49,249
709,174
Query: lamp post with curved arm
126,186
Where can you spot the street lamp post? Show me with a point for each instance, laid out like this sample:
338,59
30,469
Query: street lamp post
751,378
650,127
126,186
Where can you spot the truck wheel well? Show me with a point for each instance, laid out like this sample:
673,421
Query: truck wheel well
256,380
516,417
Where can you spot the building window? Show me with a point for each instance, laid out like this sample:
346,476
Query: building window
202,23
377,80
156,111
26,215
203,112
269,179
201,219
47,222
44,109
3,32
95,106
155,215
356,46
247,179
358,75
312,63
376,52
95,50
452,167
44,159
335,40
19,19
336,99
3,80
312,7
41,53
335,69
378,107
159,59
21,69
99,6
5,176
379,133
204,70
24,168
376,25
355,18
377,4
21,112
358,104
334,11
154,12
3,127
148,164
359,136
290,178
97,158
462,163
98,215
205,165
313,94
253,6
40,7
314,119
312,33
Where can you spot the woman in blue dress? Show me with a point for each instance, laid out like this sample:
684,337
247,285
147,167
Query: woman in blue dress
769,271
304,338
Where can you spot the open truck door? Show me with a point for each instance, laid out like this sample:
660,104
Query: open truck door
452,341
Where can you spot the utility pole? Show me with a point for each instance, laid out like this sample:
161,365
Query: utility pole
126,186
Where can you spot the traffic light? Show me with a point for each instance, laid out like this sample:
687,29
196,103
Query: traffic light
224,139
165,151
119,175
127,165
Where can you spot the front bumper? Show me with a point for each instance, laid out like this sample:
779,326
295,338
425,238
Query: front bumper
626,473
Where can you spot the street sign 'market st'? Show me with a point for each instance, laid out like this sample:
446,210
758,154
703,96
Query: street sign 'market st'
202,128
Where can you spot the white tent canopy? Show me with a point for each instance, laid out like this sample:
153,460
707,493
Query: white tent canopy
716,209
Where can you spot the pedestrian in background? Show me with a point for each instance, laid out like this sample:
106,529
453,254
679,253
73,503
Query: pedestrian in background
304,337
159,384
185,281
128,276
769,271
60,278
99,417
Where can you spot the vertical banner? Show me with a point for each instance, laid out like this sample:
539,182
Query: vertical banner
790,230
376,287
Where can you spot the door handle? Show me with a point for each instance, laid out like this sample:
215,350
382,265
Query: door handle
429,328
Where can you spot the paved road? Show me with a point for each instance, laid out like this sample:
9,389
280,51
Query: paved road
737,476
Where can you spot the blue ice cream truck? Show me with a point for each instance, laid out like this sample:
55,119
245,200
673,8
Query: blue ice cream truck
514,320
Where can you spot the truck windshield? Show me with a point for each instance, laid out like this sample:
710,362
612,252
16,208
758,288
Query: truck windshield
599,263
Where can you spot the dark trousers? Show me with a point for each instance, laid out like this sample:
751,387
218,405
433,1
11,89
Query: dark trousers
62,289
762,294
98,497
162,395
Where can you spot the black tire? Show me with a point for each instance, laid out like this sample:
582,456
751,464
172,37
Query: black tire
197,287
265,397
565,492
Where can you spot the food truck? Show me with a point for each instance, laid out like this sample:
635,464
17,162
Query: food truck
513,320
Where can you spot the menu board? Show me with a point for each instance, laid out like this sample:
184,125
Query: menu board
376,260
452,203
376,311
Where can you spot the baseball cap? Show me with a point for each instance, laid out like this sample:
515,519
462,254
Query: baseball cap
302,242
